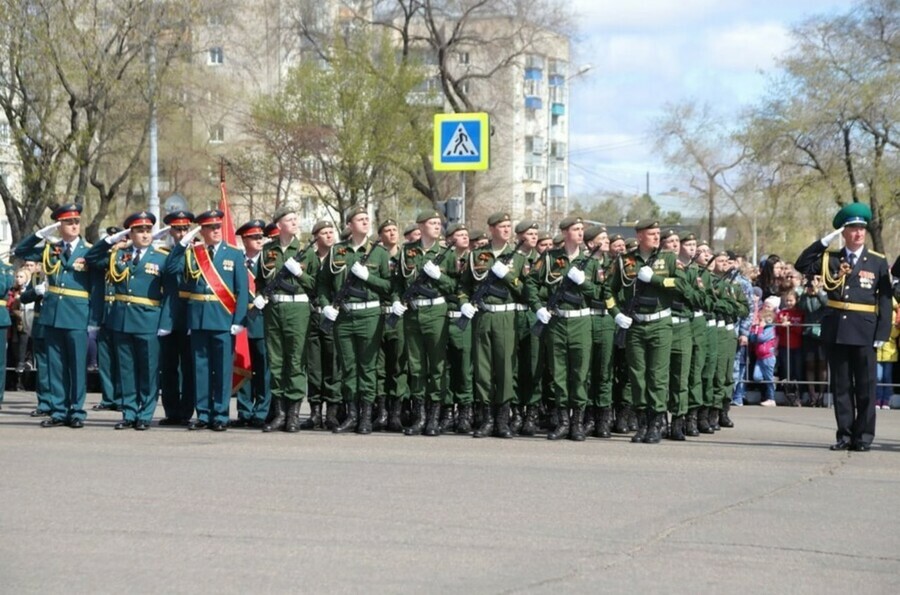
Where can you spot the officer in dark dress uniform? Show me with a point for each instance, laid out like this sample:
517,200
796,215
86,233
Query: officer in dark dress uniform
857,321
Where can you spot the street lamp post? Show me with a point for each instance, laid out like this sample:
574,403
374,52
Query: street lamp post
547,219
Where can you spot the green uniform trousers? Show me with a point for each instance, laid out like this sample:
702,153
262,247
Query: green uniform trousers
67,358
321,366
621,384
458,371
603,330
357,340
680,367
286,328
426,347
698,360
392,376
213,368
41,373
724,378
529,360
138,374
569,344
709,366
494,351
647,348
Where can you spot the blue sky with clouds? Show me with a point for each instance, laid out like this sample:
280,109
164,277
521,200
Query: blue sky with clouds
649,53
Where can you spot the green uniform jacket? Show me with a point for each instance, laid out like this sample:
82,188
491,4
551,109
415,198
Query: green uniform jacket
413,257
548,274
654,296
211,315
479,265
336,267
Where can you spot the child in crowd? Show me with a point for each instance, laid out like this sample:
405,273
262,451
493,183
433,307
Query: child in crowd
765,345
790,345
886,356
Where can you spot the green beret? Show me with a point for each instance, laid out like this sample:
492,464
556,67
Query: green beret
526,224
702,243
320,225
687,236
410,228
354,211
593,231
631,243
642,224
387,223
558,238
345,234
424,216
476,235
497,218
616,237
455,228
856,213
668,234
569,222
281,213
544,236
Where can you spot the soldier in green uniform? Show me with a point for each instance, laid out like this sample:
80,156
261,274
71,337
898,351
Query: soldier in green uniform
425,322
644,279
135,271
458,371
624,416
393,388
568,323
286,314
321,373
528,346
494,331
411,232
731,304
603,309
358,323
253,397
706,261
478,239
70,306
693,262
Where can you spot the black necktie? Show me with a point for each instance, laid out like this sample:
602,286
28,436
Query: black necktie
137,257
250,264
851,258
212,251
68,250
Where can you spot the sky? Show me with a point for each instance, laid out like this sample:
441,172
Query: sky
646,54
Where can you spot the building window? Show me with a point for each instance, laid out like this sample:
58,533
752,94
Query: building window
216,55
462,57
4,133
530,197
532,88
217,133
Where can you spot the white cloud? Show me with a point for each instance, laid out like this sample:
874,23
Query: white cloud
747,46
644,15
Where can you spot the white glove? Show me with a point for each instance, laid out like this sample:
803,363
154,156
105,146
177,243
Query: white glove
544,315
360,271
44,232
163,333
830,237
879,344
330,312
623,321
259,302
117,237
398,309
645,274
432,270
189,237
576,275
93,329
236,329
500,269
162,232
468,310
40,288
294,267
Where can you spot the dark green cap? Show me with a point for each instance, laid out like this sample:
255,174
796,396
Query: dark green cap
320,225
856,213
544,236
497,218
642,224
424,216
387,223
477,235
280,213
631,243
410,228
455,228
687,236
354,211
525,224
345,234
570,221
669,233
616,237
593,231
558,238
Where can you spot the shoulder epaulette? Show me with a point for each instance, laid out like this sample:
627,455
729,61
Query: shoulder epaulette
877,254
163,250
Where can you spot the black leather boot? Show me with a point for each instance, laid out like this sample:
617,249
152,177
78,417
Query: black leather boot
278,415
395,423
577,432
530,425
503,414
590,420
633,419
292,424
487,422
676,428
418,422
350,422
433,425
703,421
365,418
517,418
315,417
380,413
603,423
642,422
448,420
724,420
464,419
331,418
562,427
623,412
690,428
714,419
654,427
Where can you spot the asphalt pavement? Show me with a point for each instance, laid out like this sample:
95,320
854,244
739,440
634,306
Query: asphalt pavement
763,507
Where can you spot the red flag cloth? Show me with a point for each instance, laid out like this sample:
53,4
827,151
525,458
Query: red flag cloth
241,370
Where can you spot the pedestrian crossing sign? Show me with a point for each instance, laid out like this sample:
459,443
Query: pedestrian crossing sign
461,142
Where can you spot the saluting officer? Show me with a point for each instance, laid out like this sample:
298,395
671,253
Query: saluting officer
69,307
217,290
253,398
135,317
857,321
